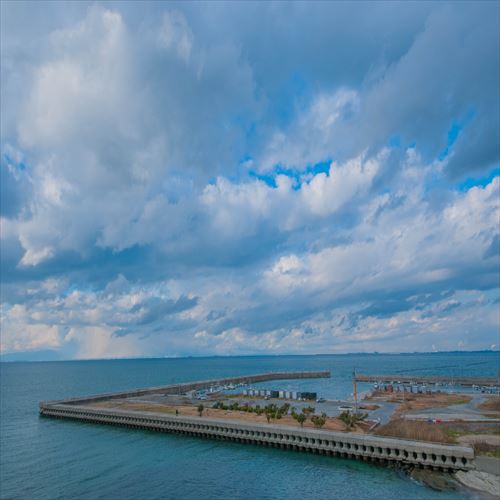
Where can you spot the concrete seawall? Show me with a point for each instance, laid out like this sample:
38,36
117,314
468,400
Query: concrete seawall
429,379
348,445
192,386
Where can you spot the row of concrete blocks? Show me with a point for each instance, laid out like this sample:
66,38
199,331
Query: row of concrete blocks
364,447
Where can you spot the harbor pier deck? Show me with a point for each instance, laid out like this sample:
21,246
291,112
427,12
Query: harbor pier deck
349,445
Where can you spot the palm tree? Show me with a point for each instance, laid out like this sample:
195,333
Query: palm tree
200,409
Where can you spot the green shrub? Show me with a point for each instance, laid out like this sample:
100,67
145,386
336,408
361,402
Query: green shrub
300,418
319,420
308,410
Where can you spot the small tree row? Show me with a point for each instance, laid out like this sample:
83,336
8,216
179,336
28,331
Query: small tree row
308,411
274,412
271,411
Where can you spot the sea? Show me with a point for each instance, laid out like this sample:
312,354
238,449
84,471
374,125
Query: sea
43,458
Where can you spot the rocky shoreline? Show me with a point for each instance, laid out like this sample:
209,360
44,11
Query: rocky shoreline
482,484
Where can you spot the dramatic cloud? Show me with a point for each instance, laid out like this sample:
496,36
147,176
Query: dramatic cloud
182,178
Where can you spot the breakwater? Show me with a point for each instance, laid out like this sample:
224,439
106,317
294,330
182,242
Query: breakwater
429,379
192,386
349,445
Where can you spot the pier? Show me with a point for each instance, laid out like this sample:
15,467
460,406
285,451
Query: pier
193,386
365,447
429,379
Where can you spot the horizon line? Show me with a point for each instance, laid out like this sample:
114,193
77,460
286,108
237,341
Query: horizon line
194,356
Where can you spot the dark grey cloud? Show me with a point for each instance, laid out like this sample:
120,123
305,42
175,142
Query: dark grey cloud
494,249
156,309
385,308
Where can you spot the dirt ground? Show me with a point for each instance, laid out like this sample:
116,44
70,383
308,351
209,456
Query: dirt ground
491,406
332,423
398,426
471,439
411,402
410,429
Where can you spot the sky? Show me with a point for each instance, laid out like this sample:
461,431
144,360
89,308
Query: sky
185,179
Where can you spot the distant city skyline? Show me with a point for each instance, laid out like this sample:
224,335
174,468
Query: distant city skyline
244,178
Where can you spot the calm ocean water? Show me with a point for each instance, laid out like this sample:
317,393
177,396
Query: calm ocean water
44,458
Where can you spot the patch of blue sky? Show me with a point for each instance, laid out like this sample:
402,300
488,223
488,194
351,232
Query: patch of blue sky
482,181
8,160
454,131
297,175
453,134
269,179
